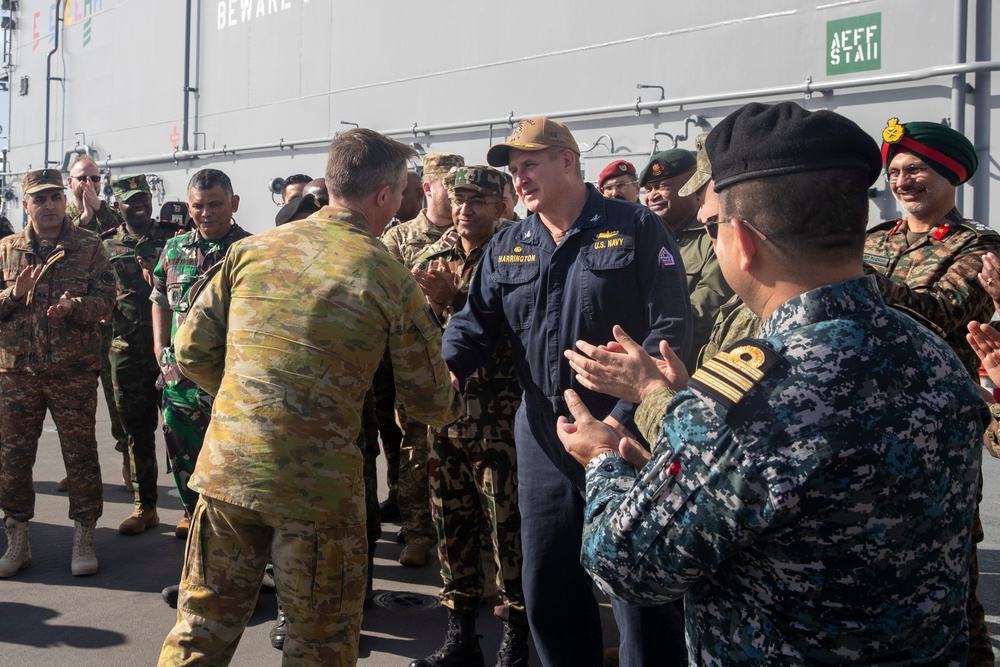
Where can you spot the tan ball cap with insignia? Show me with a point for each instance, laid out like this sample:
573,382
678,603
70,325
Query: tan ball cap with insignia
532,134
41,179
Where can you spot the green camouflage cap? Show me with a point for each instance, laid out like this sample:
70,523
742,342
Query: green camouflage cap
479,178
439,164
702,173
127,186
667,164
41,179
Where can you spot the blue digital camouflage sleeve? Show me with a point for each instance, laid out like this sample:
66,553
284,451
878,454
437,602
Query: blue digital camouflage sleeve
650,535
660,275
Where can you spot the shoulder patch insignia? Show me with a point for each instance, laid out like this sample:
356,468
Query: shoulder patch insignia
980,227
665,258
730,375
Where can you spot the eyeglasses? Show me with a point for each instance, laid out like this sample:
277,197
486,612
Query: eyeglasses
910,171
712,228
475,202
92,179
612,187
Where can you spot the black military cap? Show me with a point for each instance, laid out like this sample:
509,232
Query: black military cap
764,140
294,209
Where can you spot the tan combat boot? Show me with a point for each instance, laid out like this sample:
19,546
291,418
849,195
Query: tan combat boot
18,554
140,519
84,559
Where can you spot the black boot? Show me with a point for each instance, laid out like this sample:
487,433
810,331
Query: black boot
461,644
278,630
514,645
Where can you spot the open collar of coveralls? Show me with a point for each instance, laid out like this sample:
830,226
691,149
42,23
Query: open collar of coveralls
532,231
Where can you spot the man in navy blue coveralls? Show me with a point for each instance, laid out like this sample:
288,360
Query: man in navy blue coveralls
577,266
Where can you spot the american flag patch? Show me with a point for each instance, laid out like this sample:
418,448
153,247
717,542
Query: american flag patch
665,259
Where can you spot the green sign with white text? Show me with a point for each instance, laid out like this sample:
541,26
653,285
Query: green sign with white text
854,44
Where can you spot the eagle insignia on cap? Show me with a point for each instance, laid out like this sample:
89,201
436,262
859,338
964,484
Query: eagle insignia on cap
893,132
656,169
516,134
622,166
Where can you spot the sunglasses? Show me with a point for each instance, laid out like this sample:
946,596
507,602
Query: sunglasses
92,179
712,228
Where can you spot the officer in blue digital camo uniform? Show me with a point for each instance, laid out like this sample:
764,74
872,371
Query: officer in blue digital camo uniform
578,265
811,494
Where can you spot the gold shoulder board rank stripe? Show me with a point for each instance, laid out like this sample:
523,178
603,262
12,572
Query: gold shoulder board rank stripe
720,385
729,373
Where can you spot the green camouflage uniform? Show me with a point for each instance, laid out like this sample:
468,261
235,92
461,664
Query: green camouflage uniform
473,466
6,229
406,242
287,335
936,278
134,371
106,218
707,287
52,364
186,408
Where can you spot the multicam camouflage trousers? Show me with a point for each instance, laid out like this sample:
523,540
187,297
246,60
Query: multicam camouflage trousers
186,413
71,398
474,484
319,572
134,376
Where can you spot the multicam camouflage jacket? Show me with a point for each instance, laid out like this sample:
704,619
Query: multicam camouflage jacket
131,319
492,393
936,276
183,261
287,334
812,495
406,241
30,341
106,218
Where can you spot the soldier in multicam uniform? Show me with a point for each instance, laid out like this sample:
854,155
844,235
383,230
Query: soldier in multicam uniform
86,209
927,263
280,472
812,492
134,249
663,178
57,286
473,462
406,242
187,408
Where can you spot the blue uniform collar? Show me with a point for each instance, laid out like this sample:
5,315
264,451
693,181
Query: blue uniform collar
531,231
830,302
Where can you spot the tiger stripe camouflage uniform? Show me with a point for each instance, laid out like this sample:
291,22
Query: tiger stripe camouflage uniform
280,471
186,408
473,465
52,364
134,370
935,278
406,242
788,539
104,219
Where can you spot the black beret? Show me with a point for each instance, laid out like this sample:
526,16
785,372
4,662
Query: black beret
295,207
763,140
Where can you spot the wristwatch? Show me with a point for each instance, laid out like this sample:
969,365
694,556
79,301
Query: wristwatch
602,457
